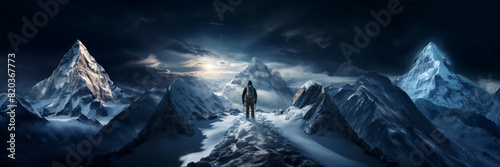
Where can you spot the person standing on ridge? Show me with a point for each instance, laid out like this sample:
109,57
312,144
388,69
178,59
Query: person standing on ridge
249,98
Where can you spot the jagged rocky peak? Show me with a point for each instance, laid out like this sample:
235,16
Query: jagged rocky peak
307,94
79,85
96,78
77,69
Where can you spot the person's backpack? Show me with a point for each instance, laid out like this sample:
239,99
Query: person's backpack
250,92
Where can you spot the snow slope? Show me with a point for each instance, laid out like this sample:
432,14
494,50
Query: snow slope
165,123
24,111
430,79
473,132
325,150
194,96
125,126
385,117
272,91
497,95
79,85
322,118
39,142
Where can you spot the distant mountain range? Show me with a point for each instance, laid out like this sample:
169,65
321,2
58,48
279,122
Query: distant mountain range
430,116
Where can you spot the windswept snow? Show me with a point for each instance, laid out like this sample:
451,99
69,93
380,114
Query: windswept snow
213,134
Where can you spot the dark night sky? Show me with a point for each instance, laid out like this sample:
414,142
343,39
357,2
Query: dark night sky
291,35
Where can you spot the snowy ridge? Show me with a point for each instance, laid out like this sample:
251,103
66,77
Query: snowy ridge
385,117
307,94
430,79
194,95
272,91
128,123
79,85
323,118
254,143
474,133
165,121
24,111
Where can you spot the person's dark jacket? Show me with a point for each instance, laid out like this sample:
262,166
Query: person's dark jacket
245,94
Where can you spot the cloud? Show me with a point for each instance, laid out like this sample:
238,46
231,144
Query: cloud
318,37
297,75
216,24
349,69
214,67
186,48
151,61
291,33
488,84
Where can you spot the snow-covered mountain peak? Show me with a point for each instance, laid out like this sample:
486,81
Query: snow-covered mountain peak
310,83
272,91
430,62
79,85
255,62
431,51
307,94
430,79
76,52
76,69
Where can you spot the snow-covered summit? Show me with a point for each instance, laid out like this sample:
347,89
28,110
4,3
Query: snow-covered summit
428,65
79,85
272,91
307,94
430,79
